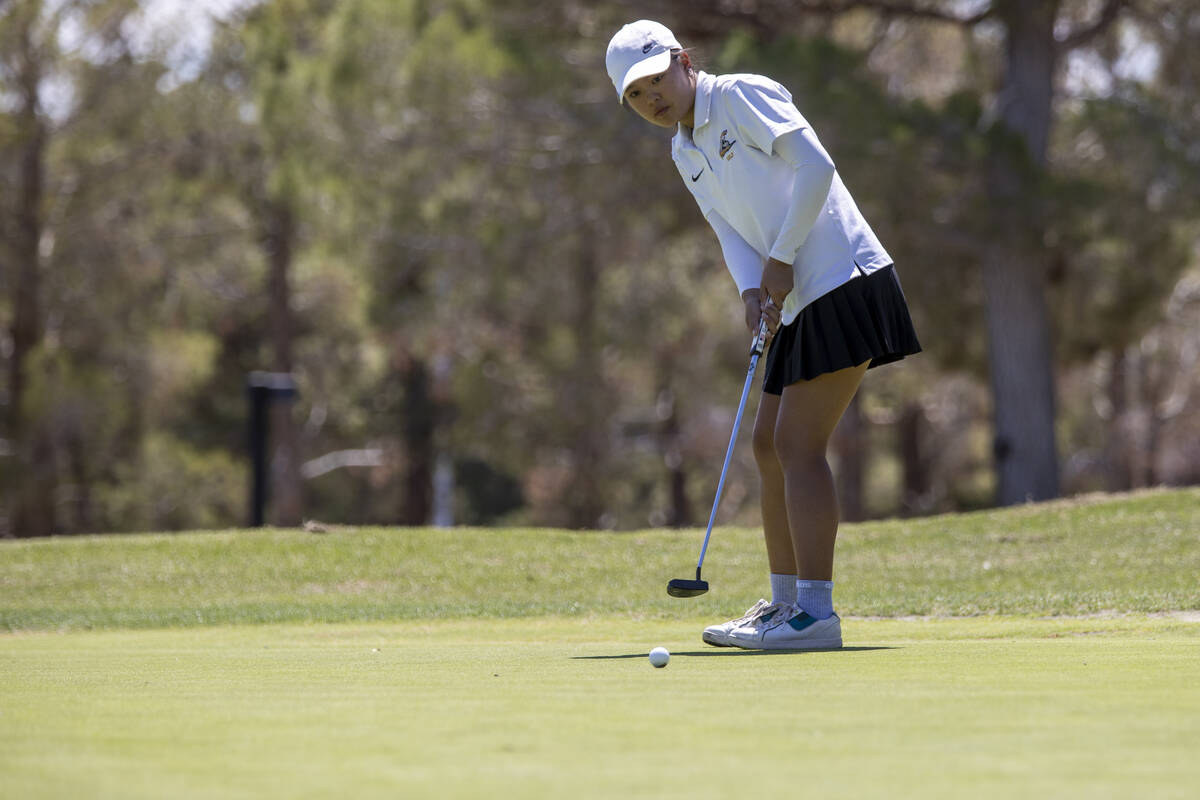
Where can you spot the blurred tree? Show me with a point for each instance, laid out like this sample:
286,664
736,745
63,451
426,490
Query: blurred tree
262,143
25,61
73,98
411,85
476,262
280,45
1128,230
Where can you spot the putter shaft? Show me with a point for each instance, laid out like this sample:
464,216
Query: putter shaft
756,349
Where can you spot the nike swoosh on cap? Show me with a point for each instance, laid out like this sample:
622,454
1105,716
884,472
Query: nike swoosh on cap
696,177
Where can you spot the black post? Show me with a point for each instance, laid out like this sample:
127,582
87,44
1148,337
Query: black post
262,388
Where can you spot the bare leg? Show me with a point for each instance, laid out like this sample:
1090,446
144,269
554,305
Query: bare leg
780,551
808,412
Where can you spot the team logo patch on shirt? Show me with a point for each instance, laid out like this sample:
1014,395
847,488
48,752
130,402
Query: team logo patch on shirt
726,145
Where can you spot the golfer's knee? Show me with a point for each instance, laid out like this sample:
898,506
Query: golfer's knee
763,443
797,448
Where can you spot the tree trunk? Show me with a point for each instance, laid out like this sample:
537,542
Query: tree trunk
584,399
35,479
1154,429
679,514
914,464
1022,381
75,452
1018,325
441,512
418,427
286,487
1119,447
1147,426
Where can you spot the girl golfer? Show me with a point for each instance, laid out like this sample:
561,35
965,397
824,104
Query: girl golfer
801,255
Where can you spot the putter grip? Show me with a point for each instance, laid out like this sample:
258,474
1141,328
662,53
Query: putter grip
760,339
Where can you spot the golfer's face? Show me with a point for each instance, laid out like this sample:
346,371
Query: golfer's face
663,99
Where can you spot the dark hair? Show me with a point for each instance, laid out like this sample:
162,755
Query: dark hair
692,57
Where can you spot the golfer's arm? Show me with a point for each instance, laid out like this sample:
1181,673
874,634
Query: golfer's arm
742,261
810,189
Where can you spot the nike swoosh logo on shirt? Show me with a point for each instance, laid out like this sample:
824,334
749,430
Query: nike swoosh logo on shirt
696,177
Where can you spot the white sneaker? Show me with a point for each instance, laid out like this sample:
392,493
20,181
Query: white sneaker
793,629
718,635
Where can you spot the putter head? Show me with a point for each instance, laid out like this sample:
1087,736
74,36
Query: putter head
682,587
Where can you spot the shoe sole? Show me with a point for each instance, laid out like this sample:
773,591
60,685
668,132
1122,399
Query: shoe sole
808,644
715,640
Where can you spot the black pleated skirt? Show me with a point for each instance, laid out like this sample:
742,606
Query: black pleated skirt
865,319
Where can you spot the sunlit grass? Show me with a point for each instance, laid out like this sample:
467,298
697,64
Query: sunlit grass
552,707
1130,553
453,662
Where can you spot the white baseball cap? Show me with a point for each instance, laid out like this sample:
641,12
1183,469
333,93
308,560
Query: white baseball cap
639,49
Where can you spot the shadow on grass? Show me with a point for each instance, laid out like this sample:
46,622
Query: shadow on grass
732,651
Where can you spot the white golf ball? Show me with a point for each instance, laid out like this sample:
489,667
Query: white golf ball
659,656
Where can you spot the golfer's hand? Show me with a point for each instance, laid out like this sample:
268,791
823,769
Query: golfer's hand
770,312
777,281
753,300
758,305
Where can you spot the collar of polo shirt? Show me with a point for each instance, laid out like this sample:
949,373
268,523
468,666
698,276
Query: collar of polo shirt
704,86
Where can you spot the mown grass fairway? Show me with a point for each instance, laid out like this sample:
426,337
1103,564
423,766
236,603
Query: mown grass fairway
478,670
571,707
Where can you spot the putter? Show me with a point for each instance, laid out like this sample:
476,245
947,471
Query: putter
683,587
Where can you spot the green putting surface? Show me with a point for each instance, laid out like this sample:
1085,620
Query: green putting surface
1043,651
551,706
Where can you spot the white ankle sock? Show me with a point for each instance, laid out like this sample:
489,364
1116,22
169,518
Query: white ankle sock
783,588
815,597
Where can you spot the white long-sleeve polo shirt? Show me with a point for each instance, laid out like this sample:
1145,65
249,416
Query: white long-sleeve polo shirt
730,164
